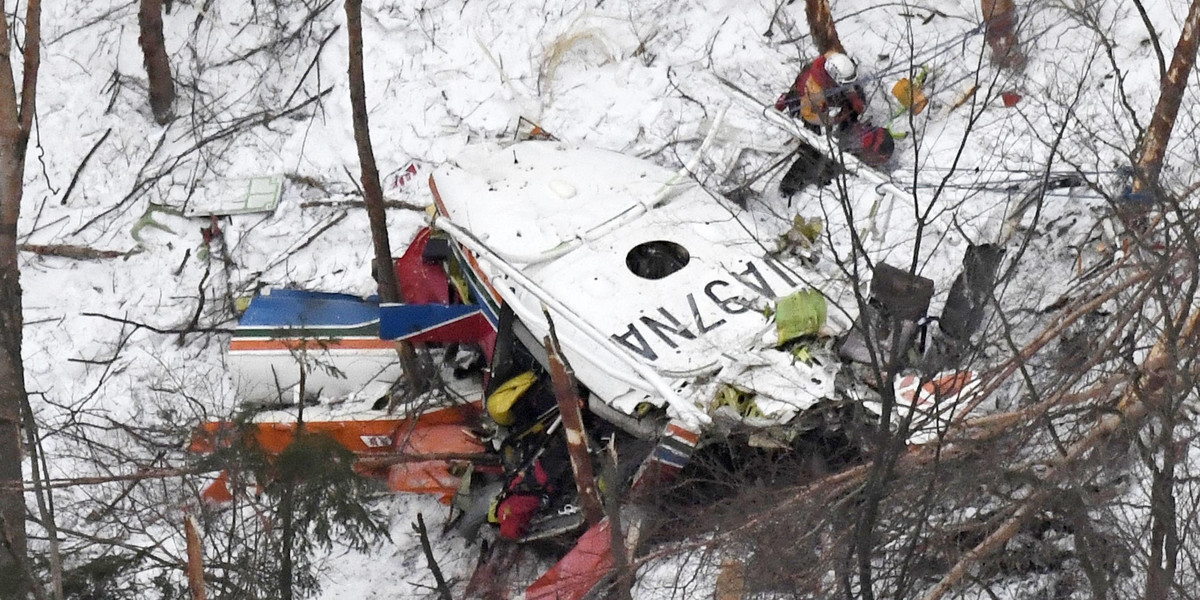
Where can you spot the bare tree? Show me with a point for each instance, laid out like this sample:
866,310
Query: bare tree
372,190
1167,396
1171,88
389,290
16,124
158,67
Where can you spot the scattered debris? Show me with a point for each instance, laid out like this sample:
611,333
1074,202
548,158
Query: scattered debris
811,167
400,177
800,314
971,291
528,130
889,325
911,95
964,98
236,197
147,220
1000,32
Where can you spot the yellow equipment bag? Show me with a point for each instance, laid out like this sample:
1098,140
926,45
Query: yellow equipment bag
500,403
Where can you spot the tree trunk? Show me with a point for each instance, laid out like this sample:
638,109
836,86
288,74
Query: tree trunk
1000,32
15,126
1154,145
45,498
385,272
1164,535
158,68
287,539
563,380
821,26
287,504
622,553
195,558
372,191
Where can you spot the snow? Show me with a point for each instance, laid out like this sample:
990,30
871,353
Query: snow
444,74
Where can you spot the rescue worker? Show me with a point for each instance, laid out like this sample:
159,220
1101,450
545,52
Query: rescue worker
825,92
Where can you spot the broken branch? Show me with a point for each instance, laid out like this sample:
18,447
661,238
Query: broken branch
82,164
70,251
158,329
442,588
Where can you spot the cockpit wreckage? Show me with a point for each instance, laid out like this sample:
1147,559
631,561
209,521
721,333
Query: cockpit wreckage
619,310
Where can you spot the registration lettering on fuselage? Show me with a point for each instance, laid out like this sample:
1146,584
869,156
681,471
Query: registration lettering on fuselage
704,310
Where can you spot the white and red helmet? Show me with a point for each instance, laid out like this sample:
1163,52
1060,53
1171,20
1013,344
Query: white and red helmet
840,68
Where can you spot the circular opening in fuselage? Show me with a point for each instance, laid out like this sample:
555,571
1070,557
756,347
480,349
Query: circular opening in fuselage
657,259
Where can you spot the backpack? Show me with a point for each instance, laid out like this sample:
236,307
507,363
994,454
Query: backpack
872,145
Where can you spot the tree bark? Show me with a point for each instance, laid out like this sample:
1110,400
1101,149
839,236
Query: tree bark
287,539
563,380
158,67
372,190
16,123
385,272
45,499
195,558
821,26
1164,535
622,553
1154,145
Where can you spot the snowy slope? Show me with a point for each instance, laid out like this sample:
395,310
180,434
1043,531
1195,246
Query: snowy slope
619,74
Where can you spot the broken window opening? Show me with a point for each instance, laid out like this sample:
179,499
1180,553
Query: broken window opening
657,259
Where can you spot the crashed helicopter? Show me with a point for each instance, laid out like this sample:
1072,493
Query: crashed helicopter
679,326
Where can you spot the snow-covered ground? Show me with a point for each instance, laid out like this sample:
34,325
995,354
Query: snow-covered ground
629,75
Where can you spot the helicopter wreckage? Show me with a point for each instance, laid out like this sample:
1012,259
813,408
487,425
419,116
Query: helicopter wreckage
609,302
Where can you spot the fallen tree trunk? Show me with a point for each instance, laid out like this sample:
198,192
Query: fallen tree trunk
69,251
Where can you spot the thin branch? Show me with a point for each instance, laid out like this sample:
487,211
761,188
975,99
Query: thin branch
82,164
442,588
143,475
158,329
